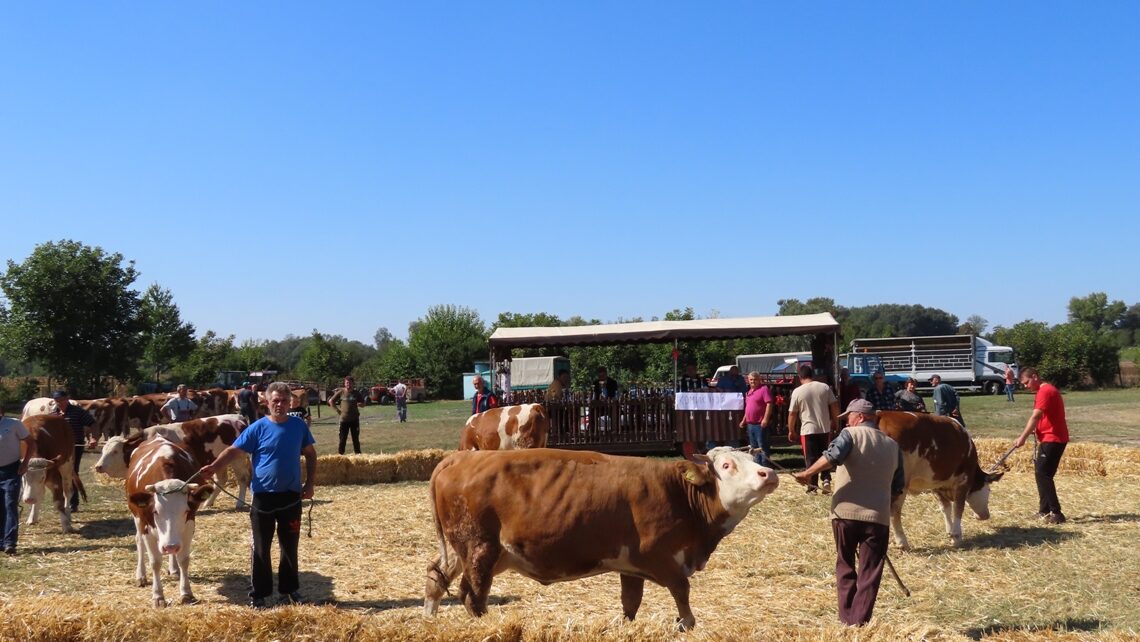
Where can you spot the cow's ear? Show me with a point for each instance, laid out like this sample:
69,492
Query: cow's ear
696,475
142,500
200,493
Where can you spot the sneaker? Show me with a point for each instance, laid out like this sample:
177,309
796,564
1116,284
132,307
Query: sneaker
1055,518
826,488
257,603
291,599
810,490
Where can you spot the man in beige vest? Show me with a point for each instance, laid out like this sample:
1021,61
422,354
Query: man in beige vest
869,474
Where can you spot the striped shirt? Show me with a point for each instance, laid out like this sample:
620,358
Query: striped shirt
78,419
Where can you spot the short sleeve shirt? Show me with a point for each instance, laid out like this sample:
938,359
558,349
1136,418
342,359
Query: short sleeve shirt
756,401
12,431
813,402
1052,427
275,450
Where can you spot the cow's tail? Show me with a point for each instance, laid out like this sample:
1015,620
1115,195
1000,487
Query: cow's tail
78,483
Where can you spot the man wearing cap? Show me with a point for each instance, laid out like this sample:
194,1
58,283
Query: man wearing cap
946,400
12,469
79,419
814,407
868,477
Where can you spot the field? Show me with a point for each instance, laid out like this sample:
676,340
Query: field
772,578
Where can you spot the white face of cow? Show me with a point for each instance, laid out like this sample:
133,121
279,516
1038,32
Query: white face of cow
979,502
170,500
35,481
741,482
111,462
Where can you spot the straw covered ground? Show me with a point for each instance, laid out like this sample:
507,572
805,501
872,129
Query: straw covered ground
1013,579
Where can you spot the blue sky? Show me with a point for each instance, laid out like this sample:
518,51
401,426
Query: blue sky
344,166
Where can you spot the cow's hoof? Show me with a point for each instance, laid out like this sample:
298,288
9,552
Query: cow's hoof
431,607
159,603
189,599
956,542
686,623
141,581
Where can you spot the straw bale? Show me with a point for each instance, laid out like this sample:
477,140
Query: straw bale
1081,458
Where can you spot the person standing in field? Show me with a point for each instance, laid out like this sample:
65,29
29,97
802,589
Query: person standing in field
346,401
1048,424
400,394
483,399
757,417
12,468
946,400
814,407
848,390
908,399
180,408
1010,385
247,402
559,388
881,394
79,419
275,443
869,476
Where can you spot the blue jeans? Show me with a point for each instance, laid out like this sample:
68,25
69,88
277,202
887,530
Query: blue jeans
402,409
758,438
9,505
1009,391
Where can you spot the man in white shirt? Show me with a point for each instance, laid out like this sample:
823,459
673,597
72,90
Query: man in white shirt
12,469
815,408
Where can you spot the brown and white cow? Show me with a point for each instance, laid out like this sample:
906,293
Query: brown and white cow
506,428
645,519
39,406
51,468
163,505
204,438
938,456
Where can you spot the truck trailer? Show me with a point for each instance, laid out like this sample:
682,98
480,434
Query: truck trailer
965,361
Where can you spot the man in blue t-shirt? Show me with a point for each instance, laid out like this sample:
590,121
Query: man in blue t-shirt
276,444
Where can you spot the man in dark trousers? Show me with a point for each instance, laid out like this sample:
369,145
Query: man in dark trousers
946,400
870,474
275,444
79,419
247,402
346,402
1051,429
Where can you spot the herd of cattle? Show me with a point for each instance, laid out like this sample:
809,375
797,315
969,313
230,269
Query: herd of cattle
505,502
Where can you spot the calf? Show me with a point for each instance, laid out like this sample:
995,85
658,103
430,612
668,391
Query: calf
556,515
51,467
938,456
204,438
163,505
506,428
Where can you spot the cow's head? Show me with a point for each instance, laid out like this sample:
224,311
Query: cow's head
113,460
35,480
173,503
979,497
740,481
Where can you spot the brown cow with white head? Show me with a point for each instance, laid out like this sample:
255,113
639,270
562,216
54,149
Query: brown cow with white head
641,518
938,456
506,428
51,468
163,505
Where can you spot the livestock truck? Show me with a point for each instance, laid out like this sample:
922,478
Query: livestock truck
965,361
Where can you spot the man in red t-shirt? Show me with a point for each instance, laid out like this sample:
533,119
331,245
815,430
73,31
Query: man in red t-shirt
1048,424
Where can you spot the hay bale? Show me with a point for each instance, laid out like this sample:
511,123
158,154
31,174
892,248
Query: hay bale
417,465
1080,458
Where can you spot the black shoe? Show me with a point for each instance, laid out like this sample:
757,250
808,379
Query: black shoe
257,603
1055,518
11,550
1040,515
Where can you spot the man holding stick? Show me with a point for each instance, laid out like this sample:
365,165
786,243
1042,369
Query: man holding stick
1052,432
869,475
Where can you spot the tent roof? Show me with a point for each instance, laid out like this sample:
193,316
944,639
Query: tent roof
662,331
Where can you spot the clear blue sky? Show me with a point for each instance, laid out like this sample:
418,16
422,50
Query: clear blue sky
352,164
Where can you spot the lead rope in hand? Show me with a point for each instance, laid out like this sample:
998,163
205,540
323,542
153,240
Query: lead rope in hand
309,513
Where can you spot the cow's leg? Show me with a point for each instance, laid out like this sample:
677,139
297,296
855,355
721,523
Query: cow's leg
140,548
478,571
61,492
223,477
632,589
439,578
183,557
896,522
679,588
952,515
150,540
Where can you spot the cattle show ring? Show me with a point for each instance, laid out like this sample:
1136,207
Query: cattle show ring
370,542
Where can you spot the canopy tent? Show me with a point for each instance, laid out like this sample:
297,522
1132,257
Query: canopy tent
504,339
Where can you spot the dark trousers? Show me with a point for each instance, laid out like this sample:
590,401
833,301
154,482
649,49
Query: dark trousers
402,409
280,512
10,482
813,446
74,500
857,591
1044,468
347,426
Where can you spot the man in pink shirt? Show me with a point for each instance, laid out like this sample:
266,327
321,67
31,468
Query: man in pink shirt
1052,431
757,417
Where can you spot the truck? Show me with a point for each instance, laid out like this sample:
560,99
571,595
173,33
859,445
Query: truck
861,369
965,361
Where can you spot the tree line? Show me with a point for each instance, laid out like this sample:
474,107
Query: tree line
71,312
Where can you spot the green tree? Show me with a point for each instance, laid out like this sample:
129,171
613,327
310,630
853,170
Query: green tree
1029,338
323,360
444,343
165,338
975,324
251,355
211,353
1095,311
71,308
